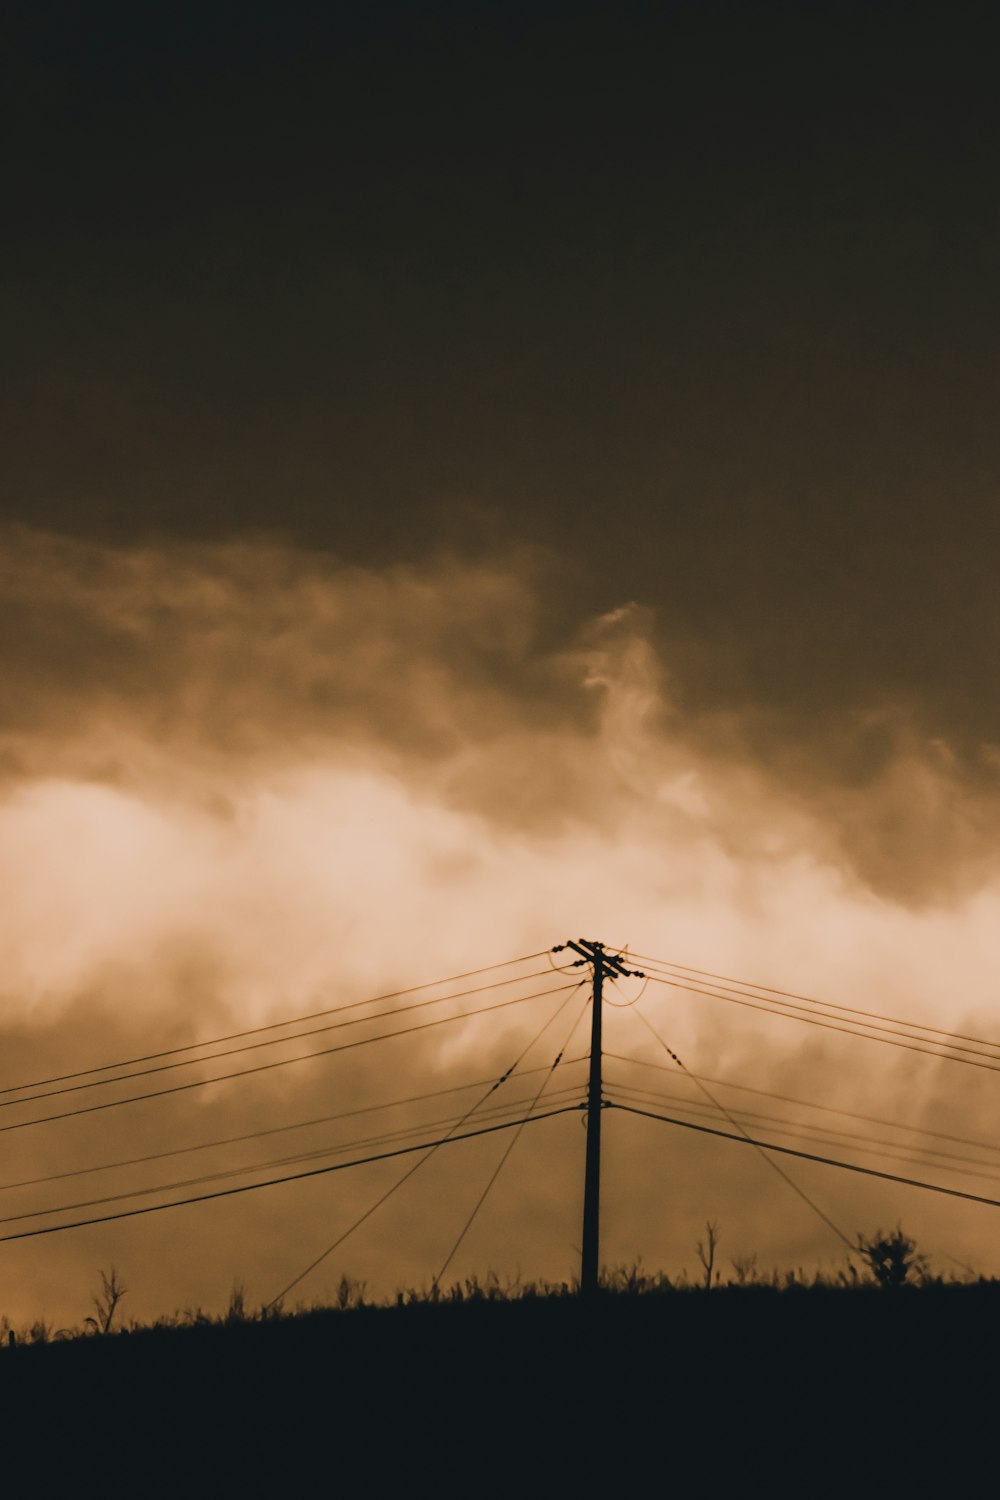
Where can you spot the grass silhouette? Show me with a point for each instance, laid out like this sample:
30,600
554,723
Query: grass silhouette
889,1261
494,1385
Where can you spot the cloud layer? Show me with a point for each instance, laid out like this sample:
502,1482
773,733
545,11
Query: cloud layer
244,781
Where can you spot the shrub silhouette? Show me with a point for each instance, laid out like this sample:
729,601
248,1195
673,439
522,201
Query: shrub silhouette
892,1258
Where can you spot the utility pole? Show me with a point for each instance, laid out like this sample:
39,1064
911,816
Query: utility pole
601,963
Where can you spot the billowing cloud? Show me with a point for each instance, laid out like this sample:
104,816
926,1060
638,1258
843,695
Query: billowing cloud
243,781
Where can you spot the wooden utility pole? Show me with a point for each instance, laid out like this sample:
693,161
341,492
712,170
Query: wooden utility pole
590,1258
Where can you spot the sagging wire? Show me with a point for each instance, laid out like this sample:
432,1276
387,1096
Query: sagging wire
503,1160
423,1159
800,1192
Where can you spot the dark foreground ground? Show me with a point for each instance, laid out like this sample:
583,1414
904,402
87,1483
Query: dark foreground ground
864,1391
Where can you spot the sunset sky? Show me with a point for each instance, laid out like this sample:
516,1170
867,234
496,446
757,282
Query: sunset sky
474,475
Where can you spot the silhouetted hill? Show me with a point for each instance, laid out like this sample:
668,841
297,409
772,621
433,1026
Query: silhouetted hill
757,1386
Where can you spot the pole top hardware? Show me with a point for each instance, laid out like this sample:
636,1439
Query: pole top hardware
596,953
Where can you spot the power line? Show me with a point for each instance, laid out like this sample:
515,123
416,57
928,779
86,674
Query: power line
252,1187
402,1140
866,1029
254,1135
356,1224
297,1036
509,1148
274,1025
799,1192
381,1139
748,987
199,1083
887,1150
848,1114
895,1035
827,1025
827,1161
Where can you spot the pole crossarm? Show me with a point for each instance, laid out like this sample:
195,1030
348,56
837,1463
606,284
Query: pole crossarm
589,952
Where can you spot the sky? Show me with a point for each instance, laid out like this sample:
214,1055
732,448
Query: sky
472,476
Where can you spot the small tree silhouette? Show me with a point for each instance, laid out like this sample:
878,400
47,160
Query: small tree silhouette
706,1251
892,1258
106,1303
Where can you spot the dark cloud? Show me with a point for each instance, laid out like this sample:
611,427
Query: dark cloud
703,306
199,664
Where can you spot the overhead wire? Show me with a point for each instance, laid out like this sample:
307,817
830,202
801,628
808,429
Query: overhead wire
871,1030
817,1135
891,1034
627,1004
746,984
294,1159
394,1188
297,1036
198,1083
506,1154
275,1025
252,1187
253,1135
770,1001
849,1114
799,1192
894,1040
828,1161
